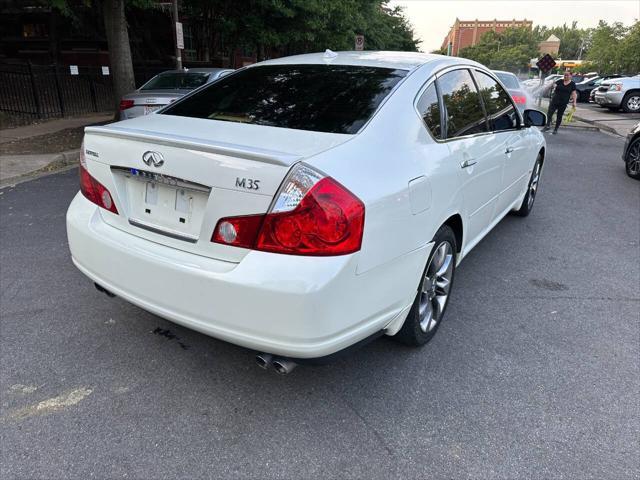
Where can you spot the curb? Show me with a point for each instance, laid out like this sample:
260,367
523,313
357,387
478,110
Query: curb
598,125
59,162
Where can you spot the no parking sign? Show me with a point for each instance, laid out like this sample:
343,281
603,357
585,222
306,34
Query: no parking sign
359,42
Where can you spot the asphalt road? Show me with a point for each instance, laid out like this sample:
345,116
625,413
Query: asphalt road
535,372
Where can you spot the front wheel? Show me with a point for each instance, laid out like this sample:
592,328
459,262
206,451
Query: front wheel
632,159
532,190
631,102
432,297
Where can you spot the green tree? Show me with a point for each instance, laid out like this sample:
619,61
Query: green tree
607,52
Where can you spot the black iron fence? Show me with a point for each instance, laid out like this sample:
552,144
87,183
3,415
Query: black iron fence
49,91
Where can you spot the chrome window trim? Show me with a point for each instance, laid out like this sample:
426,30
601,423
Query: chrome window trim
442,72
497,80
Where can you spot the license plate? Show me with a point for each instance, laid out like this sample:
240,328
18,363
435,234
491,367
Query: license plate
150,109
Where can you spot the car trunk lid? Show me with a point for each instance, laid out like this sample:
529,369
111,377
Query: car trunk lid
173,178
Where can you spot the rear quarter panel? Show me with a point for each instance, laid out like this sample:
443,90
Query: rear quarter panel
378,166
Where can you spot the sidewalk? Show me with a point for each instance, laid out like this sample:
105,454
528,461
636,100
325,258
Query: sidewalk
21,149
617,123
51,126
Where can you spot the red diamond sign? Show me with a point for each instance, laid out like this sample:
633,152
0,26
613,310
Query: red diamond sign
546,63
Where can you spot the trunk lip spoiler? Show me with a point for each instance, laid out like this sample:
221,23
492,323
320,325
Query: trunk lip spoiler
251,153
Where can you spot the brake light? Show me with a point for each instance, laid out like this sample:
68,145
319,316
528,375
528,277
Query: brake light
312,215
521,99
92,189
124,104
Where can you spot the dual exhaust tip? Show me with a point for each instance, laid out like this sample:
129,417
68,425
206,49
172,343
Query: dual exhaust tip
282,366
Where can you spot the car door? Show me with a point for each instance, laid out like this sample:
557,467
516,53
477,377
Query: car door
471,148
510,144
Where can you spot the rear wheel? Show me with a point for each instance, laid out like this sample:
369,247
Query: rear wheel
631,102
632,159
433,292
532,190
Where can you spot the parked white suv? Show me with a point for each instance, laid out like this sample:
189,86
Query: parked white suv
306,204
620,93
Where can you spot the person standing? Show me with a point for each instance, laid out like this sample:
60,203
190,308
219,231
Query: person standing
563,93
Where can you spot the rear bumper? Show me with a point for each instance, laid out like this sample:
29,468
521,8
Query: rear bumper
302,307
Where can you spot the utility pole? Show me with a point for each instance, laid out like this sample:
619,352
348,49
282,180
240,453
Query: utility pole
177,37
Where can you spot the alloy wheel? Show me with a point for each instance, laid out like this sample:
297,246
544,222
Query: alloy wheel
533,186
436,284
633,103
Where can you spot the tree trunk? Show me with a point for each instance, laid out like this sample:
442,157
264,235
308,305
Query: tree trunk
115,25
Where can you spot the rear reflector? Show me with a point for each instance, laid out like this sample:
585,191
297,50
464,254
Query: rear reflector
311,215
124,104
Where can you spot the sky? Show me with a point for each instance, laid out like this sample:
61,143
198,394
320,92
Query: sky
431,19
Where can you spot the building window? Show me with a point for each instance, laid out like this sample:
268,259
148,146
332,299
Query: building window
34,30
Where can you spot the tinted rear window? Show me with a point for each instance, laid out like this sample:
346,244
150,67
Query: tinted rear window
509,81
173,81
322,98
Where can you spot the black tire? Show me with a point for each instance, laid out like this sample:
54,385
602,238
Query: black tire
631,102
532,189
413,332
632,159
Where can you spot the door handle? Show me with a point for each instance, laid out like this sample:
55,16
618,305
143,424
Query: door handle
467,163
509,150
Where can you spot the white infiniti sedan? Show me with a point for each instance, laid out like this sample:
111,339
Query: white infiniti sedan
307,204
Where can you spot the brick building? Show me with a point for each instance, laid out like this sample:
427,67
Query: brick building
466,33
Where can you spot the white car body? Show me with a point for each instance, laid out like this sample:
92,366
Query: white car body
290,305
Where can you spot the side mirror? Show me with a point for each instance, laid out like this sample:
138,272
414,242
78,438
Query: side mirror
534,118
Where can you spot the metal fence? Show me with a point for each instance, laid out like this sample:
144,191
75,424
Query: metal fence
49,91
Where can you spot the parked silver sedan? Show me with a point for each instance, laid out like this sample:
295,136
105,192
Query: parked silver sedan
165,88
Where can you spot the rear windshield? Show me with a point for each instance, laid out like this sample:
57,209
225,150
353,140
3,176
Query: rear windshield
510,81
174,81
322,98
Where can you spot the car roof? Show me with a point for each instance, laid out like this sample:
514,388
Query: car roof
196,70
397,60
506,73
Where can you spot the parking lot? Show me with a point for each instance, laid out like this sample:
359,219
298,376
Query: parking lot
535,372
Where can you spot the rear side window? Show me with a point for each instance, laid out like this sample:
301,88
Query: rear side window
429,109
322,98
509,81
497,102
463,109
172,81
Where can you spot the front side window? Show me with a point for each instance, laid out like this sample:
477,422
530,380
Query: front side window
500,110
462,105
322,98
429,109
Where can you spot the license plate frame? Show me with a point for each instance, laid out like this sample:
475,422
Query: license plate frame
163,204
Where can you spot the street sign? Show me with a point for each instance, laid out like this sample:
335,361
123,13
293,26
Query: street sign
179,36
359,42
546,63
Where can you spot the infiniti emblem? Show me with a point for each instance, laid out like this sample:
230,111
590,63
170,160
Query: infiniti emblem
153,158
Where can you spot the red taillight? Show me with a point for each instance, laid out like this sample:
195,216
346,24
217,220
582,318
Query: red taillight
93,189
519,99
317,218
124,104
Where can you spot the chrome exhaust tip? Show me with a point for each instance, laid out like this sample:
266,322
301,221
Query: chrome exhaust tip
264,360
283,366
